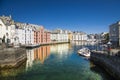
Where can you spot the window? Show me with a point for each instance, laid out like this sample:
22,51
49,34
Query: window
6,27
0,25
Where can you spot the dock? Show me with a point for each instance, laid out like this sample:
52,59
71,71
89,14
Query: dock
12,57
32,46
110,63
42,44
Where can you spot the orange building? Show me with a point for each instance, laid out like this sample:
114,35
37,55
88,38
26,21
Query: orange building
41,36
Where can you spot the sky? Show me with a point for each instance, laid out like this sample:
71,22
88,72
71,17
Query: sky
90,16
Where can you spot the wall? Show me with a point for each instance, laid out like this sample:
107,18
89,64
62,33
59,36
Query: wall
110,63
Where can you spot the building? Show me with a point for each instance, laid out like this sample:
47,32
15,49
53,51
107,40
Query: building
114,34
70,36
41,36
47,36
79,36
24,33
7,29
59,35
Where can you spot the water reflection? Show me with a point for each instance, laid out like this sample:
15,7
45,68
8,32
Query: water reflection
37,54
41,53
97,69
62,50
30,58
59,48
56,62
6,73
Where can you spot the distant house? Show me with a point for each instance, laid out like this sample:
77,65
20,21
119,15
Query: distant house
59,35
79,36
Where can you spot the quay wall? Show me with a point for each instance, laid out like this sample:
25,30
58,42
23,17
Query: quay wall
110,64
54,43
12,57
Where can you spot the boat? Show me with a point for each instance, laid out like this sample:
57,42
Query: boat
84,52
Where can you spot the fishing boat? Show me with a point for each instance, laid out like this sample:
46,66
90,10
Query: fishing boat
84,52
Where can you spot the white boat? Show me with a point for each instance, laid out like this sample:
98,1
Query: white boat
84,52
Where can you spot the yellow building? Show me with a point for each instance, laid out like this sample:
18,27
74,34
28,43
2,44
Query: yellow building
70,35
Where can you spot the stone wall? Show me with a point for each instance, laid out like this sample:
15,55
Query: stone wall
110,63
12,57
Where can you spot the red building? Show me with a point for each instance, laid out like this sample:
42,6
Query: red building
41,36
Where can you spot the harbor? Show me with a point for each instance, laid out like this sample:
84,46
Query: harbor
48,61
59,40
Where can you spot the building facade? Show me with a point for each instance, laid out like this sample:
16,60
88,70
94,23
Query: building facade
114,33
79,36
7,29
59,36
41,36
24,34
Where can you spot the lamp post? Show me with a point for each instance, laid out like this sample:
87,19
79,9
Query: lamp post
109,47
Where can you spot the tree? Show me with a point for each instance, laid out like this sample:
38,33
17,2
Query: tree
106,36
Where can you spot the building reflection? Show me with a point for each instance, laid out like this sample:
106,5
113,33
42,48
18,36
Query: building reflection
37,54
41,53
61,50
30,57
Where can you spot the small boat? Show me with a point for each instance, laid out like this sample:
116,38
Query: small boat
84,52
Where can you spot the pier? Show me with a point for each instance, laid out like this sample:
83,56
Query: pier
110,63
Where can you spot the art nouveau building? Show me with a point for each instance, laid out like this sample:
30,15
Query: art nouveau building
7,29
59,36
79,36
41,36
24,34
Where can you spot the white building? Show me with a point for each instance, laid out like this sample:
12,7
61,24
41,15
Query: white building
79,36
24,33
91,37
7,29
59,36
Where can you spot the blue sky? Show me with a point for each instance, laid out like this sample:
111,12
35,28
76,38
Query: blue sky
90,16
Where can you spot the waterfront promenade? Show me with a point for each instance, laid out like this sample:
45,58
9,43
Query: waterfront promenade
110,63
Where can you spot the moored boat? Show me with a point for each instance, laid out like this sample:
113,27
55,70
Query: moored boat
84,52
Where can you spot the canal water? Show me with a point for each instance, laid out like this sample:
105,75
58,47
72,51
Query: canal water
55,62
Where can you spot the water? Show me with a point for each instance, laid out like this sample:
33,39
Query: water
55,62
